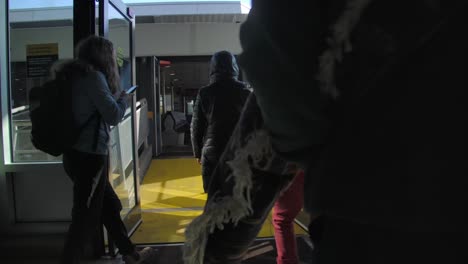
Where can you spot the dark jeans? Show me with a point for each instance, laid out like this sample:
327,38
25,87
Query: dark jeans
94,202
340,241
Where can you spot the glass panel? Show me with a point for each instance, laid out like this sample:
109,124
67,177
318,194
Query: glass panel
122,167
122,176
171,1
189,108
22,4
41,33
119,34
168,102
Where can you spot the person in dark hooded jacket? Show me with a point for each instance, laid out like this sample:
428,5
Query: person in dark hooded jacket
216,112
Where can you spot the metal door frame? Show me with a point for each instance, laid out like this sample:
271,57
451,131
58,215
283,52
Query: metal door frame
157,149
133,219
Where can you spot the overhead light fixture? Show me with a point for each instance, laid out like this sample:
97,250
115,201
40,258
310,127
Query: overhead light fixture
172,74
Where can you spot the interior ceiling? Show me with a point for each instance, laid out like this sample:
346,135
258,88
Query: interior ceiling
181,19
169,19
188,75
42,24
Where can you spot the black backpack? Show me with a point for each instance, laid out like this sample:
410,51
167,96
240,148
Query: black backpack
53,129
51,115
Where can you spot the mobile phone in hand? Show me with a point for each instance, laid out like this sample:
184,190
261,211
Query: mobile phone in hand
131,89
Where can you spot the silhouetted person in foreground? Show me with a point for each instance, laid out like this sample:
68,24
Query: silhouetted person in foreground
376,94
216,111
378,90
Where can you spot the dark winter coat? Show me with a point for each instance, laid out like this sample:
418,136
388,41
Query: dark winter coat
217,110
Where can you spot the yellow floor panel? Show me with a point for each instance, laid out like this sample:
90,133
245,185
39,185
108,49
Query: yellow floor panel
171,197
165,227
268,230
169,227
173,183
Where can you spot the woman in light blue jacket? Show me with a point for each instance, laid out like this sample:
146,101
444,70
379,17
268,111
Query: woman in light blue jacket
97,103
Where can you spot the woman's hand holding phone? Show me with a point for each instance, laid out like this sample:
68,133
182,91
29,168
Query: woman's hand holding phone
131,89
124,95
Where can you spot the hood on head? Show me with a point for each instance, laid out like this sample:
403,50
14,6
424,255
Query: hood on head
223,65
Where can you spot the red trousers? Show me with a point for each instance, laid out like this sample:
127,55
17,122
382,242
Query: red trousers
285,210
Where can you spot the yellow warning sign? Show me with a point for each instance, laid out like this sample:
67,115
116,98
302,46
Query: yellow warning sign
39,58
42,49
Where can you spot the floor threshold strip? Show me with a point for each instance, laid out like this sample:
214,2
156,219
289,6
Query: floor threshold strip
165,210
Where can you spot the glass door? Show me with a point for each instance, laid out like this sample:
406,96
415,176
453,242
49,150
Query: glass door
117,24
157,107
